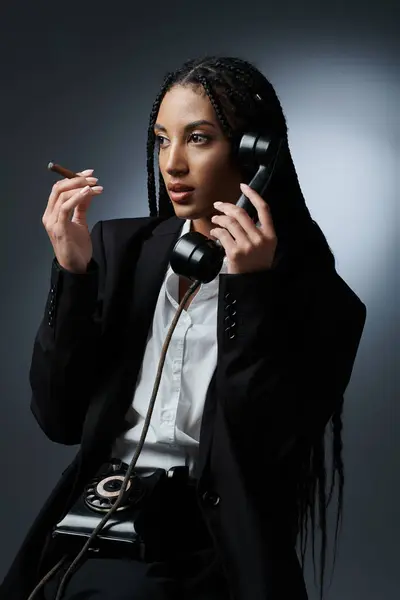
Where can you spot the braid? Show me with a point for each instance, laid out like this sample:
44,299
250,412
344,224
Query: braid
151,182
338,466
165,207
244,100
216,106
239,74
319,467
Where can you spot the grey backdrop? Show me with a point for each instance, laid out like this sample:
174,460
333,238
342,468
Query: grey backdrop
77,85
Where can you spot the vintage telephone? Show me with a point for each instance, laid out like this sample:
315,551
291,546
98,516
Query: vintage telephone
196,257
107,514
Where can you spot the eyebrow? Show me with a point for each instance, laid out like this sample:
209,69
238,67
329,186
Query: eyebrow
189,126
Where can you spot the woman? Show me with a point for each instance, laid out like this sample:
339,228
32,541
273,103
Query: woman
243,406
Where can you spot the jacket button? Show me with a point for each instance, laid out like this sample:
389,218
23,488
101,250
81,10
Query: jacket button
211,498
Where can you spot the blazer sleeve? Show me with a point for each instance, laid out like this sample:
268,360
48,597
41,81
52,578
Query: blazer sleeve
66,347
286,350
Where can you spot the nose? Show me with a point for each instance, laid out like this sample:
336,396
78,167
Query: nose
177,163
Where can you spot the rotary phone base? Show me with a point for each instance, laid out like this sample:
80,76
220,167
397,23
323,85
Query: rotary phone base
97,499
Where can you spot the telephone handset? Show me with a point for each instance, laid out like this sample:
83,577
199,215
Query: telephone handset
195,256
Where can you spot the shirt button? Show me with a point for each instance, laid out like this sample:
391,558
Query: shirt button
211,498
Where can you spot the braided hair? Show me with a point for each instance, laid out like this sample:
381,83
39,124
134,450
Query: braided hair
244,100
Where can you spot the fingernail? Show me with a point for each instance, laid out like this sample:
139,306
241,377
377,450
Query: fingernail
217,203
85,189
92,179
244,185
87,172
97,188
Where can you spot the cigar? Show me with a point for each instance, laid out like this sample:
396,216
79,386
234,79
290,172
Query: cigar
61,170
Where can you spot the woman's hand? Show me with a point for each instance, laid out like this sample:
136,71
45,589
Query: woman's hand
65,220
248,248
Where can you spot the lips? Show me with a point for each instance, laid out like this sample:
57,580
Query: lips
179,187
181,197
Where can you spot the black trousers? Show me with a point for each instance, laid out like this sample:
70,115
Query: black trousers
186,565
194,578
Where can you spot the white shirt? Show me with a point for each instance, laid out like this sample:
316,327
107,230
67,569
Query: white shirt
174,432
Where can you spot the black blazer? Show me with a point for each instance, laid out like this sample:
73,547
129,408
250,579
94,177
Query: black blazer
277,382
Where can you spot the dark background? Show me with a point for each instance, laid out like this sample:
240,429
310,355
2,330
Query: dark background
77,84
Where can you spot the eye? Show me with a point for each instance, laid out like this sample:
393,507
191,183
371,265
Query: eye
199,138
160,139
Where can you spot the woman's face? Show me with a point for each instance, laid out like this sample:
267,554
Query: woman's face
194,152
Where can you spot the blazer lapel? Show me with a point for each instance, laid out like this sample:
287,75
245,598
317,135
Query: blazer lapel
150,271
109,405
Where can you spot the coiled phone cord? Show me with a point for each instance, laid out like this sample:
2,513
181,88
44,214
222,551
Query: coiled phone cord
132,464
